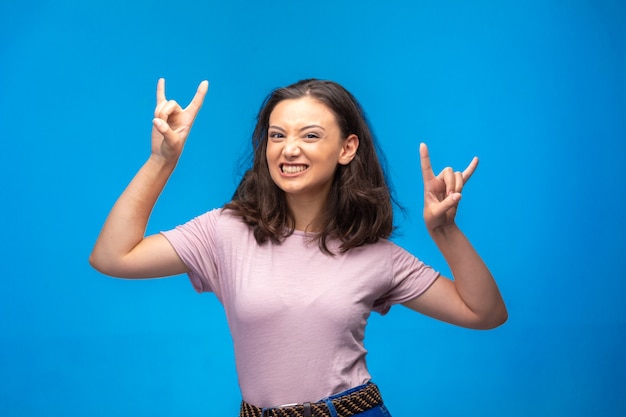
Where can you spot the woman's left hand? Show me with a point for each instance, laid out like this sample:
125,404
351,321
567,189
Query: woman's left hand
442,193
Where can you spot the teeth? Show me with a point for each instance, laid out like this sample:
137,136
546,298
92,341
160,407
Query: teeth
292,169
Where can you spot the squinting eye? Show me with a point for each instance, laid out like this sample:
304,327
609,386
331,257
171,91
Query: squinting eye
275,135
311,136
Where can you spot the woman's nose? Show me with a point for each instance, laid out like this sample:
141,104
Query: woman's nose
291,148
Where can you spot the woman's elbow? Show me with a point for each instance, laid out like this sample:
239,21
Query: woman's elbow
102,264
495,318
96,263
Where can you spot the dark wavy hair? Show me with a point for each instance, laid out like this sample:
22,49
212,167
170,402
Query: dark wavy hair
359,206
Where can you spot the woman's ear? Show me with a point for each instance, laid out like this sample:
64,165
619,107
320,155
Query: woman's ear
348,150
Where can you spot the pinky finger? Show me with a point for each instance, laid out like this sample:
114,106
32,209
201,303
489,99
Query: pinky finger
467,173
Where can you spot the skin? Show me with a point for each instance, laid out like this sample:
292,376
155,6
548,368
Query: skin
121,249
472,300
302,132
303,135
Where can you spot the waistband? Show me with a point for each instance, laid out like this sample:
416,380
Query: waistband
352,403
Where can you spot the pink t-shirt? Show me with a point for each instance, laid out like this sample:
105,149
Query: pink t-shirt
297,316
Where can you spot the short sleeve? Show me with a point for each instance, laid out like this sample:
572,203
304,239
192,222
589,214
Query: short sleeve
194,242
410,278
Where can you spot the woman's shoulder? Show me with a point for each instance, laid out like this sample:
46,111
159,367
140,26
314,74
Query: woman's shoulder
222,217
375,251
220,220
385,249
381,245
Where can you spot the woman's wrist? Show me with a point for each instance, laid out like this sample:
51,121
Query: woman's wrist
444,232
160,163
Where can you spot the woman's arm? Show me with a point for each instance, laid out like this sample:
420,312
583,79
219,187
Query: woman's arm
473,298
121,250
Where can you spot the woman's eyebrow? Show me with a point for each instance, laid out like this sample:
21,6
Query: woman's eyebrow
312,127
301,129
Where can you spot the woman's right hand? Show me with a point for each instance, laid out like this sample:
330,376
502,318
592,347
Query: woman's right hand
172,123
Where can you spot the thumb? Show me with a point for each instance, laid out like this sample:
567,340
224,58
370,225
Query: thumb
163,128
160,125
449,202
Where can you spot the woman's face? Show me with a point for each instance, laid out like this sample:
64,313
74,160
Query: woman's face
304,147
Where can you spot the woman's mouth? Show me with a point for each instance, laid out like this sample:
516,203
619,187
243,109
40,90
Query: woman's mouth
292,169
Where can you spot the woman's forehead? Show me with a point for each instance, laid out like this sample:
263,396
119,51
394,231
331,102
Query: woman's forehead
301,110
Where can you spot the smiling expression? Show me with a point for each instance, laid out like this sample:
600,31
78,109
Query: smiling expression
304,147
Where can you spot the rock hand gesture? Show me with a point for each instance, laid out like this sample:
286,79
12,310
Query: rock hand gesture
122,250
442,193
172,123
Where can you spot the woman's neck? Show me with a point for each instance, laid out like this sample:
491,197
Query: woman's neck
306,213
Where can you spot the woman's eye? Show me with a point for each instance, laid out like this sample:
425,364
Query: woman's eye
311,136
276,135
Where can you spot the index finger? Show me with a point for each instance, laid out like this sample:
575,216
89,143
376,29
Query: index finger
427,168
467,173
198,98
160,91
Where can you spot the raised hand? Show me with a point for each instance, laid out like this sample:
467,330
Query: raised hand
442,193
172,123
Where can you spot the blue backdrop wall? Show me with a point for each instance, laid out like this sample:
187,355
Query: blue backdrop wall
536,89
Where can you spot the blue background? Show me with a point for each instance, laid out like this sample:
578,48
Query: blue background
536,89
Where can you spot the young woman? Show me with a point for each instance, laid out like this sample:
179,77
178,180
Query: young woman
300,256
